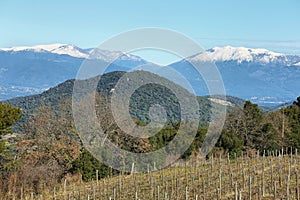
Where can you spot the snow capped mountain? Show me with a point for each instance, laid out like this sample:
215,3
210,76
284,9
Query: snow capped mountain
70,50
216,54
242,54
31,69
270,77
66,49
74,51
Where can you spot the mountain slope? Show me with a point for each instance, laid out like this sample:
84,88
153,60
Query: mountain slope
142,98
259,75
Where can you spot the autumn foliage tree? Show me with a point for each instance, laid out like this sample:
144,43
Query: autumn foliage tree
47,147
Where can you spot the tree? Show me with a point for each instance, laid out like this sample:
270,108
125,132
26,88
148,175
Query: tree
249,128
251,123
268,139
231,142
293,114
8,116
87,165
47,147
244,123
297,102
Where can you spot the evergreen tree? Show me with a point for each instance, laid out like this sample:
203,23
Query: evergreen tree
8,116
251,123
293,114
87,165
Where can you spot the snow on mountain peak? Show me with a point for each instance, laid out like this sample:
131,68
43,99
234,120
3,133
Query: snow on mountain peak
110,56
69,50
53,48
47,47
216,54
297,64
239,54
74,51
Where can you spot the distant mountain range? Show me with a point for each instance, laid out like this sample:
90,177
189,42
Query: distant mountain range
259,75
31,70
243,54
262,76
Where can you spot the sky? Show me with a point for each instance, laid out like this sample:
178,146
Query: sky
270,24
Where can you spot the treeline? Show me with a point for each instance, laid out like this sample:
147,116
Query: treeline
246,128
250,129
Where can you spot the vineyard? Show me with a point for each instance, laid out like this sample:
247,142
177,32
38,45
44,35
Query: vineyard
271,175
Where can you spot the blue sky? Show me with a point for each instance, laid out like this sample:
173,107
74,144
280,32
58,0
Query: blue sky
270,24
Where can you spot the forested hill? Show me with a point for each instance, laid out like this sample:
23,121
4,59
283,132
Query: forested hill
60,93
145,96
